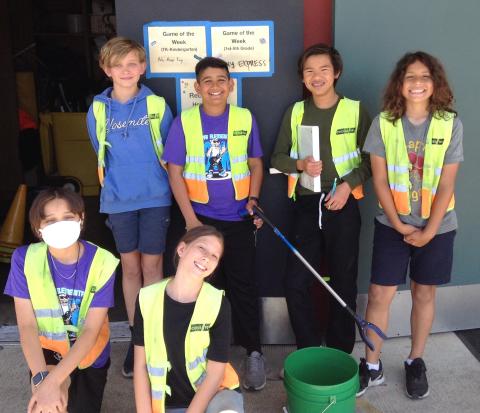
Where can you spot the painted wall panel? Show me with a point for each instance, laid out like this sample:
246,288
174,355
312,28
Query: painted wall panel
267,97
372,35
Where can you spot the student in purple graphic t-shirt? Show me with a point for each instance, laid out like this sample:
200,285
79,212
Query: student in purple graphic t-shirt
222,204
215,169
62,288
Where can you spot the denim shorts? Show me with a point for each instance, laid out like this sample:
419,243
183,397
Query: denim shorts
392,257
143,230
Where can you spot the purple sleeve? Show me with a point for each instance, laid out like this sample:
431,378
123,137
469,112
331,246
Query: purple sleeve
175,149
105,296
17,282
166,123
254,144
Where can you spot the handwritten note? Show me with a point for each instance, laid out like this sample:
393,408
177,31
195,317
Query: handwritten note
244,48
176,49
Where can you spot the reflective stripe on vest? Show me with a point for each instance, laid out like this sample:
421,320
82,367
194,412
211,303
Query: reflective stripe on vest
194,173
43,295
438,139
155,111
197,340
343,139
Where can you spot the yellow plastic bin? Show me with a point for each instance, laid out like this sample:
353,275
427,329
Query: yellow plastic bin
66,148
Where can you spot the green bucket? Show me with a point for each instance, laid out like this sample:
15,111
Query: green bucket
320,379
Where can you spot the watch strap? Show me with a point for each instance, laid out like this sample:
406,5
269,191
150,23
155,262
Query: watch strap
39,377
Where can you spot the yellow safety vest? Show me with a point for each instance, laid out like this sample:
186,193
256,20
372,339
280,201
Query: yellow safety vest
48,312
239,128
343,139
438,139
155,110
197,340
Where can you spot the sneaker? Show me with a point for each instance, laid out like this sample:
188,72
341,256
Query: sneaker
127,370
416,380
255,377
369,378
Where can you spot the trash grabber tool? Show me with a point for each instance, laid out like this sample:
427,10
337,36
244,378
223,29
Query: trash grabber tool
362,325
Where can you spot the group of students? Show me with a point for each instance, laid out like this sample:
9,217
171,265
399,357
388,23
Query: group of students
210,157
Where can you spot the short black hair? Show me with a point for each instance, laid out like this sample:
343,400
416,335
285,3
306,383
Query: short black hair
319,49
207,62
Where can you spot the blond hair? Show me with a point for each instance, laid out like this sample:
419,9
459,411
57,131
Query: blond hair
117,48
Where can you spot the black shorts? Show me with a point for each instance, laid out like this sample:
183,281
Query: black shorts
85,393
392,257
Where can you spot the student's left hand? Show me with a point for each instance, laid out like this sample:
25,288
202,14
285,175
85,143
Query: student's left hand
48,398
419,238
258,222
338,200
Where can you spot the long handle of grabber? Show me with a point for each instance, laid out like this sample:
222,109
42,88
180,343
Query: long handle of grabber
260,214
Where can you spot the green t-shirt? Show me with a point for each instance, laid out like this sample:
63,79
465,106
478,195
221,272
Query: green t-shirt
313,116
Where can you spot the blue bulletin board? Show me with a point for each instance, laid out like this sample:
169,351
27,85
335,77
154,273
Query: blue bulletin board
173,49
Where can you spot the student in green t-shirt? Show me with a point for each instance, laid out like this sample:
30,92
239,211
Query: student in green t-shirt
326,224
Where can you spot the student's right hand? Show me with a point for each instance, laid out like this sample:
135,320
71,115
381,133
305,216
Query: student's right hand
311,166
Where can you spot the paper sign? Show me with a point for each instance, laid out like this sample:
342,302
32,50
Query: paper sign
176,49
245,48
189,97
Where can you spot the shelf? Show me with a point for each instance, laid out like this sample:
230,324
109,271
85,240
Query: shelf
67,34
64,34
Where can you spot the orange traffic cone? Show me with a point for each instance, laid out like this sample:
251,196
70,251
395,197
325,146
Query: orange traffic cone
11,234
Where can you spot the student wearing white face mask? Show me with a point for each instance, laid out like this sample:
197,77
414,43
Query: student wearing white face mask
62,288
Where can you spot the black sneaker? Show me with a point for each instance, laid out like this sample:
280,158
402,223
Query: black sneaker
416,380
369,378
127,370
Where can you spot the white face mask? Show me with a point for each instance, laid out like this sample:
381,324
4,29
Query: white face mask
61,234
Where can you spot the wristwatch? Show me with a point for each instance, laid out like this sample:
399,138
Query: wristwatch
253,198
39,377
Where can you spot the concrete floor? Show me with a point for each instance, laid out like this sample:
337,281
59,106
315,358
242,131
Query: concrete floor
453,372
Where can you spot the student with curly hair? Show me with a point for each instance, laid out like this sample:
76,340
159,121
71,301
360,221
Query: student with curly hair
415,147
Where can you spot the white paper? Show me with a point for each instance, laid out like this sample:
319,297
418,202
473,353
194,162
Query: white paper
309,145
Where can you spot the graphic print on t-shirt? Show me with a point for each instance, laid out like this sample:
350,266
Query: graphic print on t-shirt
217,159
416,153
70,301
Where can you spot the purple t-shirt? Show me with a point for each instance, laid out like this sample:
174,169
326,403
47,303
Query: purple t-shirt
222,204
69,290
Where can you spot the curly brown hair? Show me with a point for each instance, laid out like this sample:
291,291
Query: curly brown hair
441,101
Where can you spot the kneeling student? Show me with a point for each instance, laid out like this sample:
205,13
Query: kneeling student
62,289
182,334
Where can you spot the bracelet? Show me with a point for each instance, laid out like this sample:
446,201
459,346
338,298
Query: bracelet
253,198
